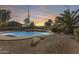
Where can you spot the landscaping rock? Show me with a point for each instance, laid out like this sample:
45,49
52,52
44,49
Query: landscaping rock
35,41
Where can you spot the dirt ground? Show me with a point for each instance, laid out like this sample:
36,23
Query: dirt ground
57,44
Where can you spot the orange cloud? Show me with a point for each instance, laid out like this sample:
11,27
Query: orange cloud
42,19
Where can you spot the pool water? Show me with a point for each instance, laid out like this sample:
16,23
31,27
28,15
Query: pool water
24,33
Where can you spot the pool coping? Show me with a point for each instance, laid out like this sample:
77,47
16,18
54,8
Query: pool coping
9,38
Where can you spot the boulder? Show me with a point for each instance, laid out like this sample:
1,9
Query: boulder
35,41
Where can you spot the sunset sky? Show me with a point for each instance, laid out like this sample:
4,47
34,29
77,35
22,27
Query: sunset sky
38,13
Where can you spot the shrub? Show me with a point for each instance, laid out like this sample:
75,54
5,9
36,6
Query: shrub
3,24
76,34
32,25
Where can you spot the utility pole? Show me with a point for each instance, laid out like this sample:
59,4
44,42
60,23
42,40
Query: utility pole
28,14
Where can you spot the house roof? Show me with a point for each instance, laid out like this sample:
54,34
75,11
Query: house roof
14,22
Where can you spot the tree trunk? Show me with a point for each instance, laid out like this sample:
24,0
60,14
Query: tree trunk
69,30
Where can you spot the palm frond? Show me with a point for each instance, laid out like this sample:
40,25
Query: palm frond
75,13
76,21
76,17
72,13
62,14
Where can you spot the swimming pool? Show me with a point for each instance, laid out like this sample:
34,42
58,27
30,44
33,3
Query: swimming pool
24,33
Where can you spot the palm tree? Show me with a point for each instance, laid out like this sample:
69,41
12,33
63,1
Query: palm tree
67,20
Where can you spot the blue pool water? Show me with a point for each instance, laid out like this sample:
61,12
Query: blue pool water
24,33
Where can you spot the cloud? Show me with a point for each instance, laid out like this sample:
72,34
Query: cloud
38,14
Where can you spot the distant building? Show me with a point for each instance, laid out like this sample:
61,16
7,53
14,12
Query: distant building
14,24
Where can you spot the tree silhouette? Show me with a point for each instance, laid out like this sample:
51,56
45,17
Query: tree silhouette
32,25
48,23
5,15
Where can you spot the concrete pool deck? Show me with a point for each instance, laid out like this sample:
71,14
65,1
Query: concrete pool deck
5,37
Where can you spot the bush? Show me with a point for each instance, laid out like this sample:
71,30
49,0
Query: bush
3,24
32,25
76,34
